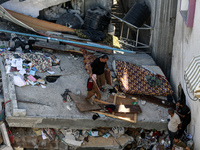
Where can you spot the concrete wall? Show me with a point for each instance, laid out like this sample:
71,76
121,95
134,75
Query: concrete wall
31,7
163,16
186,46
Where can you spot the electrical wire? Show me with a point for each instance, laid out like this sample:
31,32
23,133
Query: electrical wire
58,136
10,135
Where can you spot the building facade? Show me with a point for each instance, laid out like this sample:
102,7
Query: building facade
185,49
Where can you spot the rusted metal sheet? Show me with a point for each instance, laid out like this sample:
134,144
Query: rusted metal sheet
38,24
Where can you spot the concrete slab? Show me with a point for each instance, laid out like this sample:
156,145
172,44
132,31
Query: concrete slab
57,114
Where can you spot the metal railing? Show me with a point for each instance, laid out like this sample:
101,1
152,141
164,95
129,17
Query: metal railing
133,42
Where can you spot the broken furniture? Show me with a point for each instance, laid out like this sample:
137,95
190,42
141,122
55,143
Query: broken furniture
122,112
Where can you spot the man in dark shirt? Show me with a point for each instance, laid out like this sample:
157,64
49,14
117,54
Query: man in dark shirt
97,67
185,115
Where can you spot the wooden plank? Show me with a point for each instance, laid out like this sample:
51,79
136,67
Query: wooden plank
38,24
100,101
116,117
154,100
119,101
82,104
128,109
54,46
114,102
91,48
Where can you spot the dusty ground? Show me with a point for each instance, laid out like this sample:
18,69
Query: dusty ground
74,77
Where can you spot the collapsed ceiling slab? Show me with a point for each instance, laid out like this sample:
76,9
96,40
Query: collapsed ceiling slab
28,8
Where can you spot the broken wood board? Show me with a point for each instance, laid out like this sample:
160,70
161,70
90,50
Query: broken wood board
38,24
132,118
149,98
120,100
54,46
128,109
154,100
82,104
91,48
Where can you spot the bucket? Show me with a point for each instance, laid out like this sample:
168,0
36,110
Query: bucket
138,14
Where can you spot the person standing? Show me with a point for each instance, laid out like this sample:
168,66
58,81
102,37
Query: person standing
97,67
173,125
183,111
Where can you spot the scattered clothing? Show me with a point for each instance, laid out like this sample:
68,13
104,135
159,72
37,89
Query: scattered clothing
110,107
153,81
66,96
38,60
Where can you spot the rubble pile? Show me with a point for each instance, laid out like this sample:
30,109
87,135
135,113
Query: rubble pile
23,67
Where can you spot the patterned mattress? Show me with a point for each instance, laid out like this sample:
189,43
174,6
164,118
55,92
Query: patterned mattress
138,80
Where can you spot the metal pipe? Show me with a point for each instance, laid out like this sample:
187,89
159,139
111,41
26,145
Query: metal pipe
137,38
151,36
124,21
67,41
127,34
121,31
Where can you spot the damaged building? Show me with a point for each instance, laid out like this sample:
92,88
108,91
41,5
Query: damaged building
46,54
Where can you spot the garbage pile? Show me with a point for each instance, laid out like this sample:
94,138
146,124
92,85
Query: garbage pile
81,137
153,139
24,66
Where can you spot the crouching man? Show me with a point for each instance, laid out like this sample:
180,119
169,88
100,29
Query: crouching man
178,144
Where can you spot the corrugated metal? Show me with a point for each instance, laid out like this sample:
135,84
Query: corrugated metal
192,74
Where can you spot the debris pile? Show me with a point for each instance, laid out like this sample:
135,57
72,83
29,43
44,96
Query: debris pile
23,67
